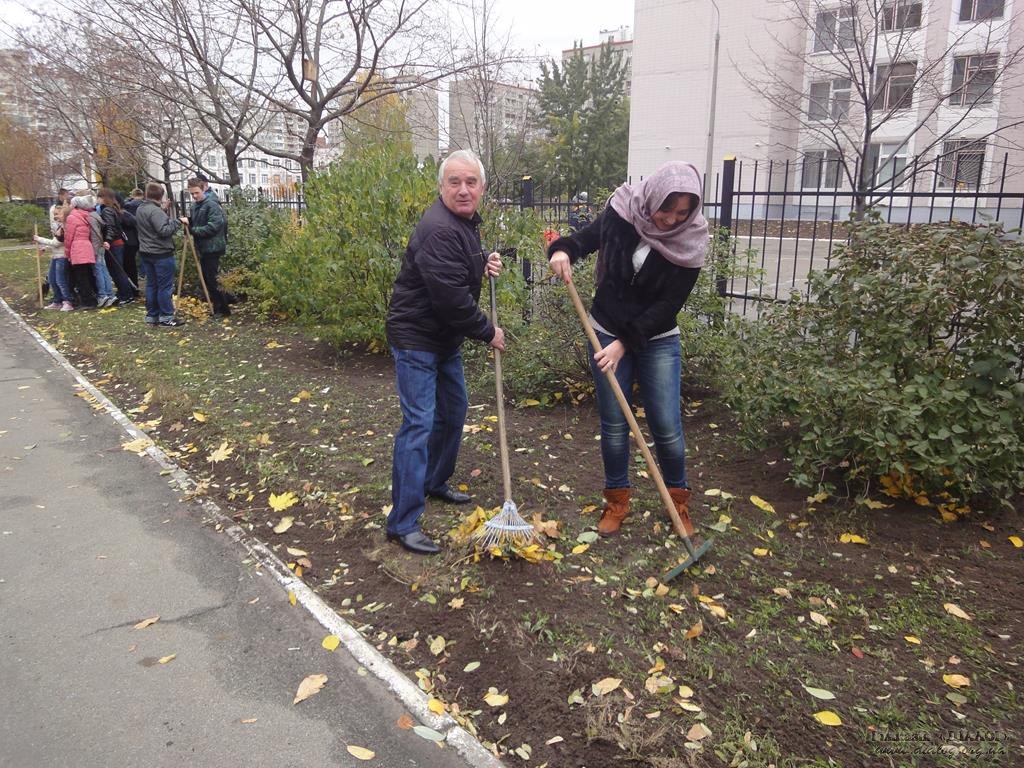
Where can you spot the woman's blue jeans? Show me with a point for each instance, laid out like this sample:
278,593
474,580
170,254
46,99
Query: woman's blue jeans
104,285
432,394
59,280
657,371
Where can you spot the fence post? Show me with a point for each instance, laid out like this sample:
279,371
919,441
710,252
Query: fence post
725,215
525,203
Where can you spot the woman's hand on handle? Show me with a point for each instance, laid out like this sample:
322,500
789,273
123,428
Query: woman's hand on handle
560,266
609,357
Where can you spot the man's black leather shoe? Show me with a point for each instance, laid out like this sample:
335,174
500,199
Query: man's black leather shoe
417,542
449,494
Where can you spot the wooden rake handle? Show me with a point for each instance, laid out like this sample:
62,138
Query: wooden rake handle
638,437
506,472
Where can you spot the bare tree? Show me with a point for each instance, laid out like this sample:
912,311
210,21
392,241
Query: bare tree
881,76
489,113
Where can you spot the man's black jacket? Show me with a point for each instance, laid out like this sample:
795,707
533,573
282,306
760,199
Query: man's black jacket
434,300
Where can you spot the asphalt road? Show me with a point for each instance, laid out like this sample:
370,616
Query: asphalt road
93,540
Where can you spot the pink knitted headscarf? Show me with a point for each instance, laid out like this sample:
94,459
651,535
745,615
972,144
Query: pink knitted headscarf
685,245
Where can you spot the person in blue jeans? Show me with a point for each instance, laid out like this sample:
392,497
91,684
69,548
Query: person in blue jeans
433,310
156,251
652,240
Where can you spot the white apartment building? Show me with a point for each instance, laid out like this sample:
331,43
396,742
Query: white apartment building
477,109
971,49
621,42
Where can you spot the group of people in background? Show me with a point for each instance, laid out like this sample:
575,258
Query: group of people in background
100,244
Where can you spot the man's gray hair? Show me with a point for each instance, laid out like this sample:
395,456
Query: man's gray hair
465,156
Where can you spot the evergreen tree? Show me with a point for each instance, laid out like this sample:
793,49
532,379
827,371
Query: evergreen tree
585,110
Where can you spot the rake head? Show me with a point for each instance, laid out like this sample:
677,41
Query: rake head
506,529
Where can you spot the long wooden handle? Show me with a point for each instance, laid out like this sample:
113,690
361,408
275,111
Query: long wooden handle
506,472
39,269
638,437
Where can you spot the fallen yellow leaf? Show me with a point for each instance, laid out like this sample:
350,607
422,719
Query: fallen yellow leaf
817,618
495,699
285,523
955,610
760,552
605,686
852,538
912,639
200,417
291,597
828,717
221,453
579,549
310,686
697,732
763,505
1016,541
281,502
695,631
147,622
166,659
956,681
361,753
137,446
331,642
436,706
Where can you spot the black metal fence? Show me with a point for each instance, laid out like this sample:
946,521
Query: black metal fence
788,228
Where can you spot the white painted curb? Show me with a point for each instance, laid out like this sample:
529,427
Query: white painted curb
362,651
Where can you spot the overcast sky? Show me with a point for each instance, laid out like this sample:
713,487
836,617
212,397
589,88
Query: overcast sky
548,26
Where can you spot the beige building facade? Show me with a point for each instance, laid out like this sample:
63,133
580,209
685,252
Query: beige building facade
950,82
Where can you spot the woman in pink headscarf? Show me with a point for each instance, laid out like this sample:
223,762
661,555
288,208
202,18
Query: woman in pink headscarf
652,240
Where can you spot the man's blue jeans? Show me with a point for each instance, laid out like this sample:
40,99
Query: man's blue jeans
432,393
657,371
159,287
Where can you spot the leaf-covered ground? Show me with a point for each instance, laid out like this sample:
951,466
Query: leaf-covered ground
817,631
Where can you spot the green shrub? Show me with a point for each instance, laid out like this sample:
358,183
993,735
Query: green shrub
336,275
256,229
17,221
903,364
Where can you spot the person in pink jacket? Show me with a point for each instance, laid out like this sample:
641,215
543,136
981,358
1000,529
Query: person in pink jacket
79,249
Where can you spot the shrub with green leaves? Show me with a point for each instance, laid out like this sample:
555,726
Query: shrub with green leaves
256,229
336,274
904,362
17,220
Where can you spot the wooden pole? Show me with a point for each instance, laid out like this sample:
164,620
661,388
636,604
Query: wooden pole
39,268
638,436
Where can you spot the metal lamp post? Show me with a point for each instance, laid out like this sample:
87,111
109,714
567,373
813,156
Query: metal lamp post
714,97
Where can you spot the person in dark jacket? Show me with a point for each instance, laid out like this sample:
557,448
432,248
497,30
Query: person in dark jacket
113,245
209,227
131,234
433,310
156,251
652,240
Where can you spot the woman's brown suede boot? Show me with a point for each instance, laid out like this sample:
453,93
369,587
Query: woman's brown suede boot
615,510
681,497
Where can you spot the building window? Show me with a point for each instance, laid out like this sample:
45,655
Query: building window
901,15
981,10
252,179
830,99
821,169
833,30
974,79
263,178
887,163
894,87
961,163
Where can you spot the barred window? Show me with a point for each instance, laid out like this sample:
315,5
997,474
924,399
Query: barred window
961,163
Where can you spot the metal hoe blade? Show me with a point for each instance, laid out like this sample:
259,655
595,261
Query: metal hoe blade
695,554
